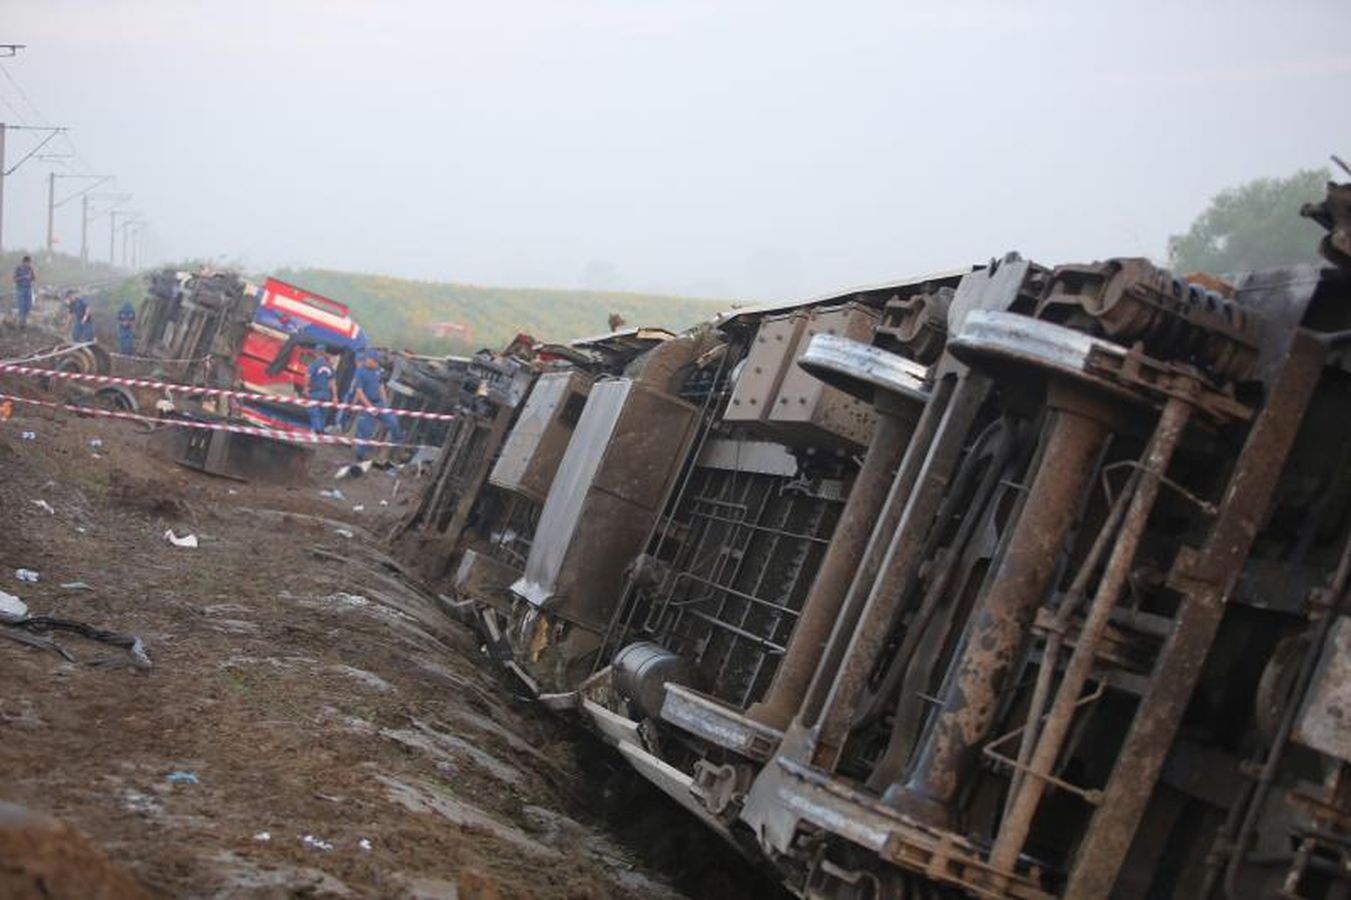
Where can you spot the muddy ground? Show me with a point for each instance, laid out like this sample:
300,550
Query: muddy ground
312,723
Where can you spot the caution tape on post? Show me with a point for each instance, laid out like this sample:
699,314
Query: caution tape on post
198,391
296,436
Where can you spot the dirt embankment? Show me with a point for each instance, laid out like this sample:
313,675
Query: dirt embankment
311,723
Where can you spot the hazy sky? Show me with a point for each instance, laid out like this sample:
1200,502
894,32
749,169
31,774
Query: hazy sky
722,147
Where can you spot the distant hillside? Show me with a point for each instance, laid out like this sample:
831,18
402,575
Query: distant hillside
404,313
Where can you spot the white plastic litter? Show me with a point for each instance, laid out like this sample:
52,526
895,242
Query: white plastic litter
45,507
345,532
27,575
263,836
364,843
12,607
231,491
384,503
316,843
95,443
28,435
188,540
360,507
333,494
75,586
355,470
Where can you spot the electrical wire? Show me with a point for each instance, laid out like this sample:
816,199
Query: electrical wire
81,165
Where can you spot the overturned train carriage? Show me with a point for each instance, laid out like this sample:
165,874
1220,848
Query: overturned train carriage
514,413
1019,582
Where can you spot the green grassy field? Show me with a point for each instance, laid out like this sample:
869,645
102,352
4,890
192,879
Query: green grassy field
401,312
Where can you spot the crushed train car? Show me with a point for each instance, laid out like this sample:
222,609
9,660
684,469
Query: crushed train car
1017,581
222,331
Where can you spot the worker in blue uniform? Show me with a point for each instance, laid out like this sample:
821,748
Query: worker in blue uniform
126,330
319,386
368,389
81,319
24,276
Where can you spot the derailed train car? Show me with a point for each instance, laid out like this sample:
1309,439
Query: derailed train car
1022,582
514,414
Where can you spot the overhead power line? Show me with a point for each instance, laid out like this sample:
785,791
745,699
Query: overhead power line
52,132
74,162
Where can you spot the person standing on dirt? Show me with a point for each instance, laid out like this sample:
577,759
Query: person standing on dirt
24,276
81,319
369,390
126,330
319,386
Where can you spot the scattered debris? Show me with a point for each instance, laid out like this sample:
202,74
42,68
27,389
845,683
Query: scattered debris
345,532
38,627
28,575
95,443
137,802
333,494
355,470
188,540
75,586
28,435
364,843
360,507
45,507
263,836
181,776
12,607
316,843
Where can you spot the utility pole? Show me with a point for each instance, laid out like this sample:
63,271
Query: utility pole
112,236
52,131
111,199
6,51
53,204
2,187
51,210
134,220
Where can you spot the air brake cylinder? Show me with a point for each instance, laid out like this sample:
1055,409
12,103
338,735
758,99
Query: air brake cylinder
896,388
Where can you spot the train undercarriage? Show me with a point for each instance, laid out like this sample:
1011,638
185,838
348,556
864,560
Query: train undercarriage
1015,581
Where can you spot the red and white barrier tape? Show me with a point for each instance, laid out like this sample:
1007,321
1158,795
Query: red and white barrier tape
168,386
301,437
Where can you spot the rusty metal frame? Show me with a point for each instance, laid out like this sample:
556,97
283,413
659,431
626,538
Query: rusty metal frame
1205,579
